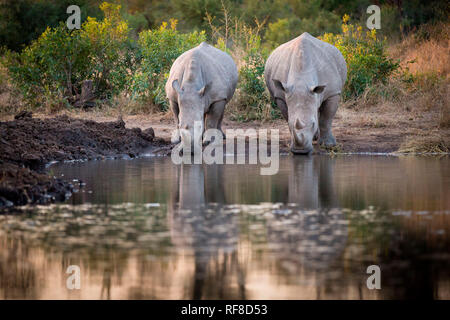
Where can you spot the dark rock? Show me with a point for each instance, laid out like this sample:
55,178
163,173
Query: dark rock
23,114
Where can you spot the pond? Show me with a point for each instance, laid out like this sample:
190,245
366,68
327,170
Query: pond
148,229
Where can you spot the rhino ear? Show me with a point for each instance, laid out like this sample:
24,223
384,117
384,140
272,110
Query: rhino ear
280,85
176,86
204,90
318,89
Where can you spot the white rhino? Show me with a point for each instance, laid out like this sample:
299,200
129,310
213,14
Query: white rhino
305,77
201,82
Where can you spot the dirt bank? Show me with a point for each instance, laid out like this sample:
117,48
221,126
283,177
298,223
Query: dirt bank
27,144
383,128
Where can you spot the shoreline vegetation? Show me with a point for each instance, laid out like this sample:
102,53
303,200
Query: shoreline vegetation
110,74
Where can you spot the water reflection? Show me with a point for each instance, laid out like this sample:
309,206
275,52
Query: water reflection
153,230
199,223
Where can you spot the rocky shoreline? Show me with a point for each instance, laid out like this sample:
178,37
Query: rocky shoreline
28,144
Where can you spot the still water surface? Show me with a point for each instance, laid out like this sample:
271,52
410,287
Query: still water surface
148,229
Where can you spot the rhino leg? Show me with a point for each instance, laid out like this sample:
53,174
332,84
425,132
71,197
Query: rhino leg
175,110
327,112
214,116
283,107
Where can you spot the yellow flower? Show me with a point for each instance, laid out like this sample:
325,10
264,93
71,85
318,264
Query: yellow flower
345,18
173,23
344,28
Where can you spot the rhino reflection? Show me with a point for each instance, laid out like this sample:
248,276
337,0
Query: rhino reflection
225,232
199,224
313,239
308,236
311,183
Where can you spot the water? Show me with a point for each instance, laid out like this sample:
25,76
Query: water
147,229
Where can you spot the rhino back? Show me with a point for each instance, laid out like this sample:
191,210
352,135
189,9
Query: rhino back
213,66
309,58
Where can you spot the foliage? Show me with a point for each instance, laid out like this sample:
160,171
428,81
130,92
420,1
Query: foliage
303,16
253,100
50,64
278,32
110,55
60,59
159,49
105,50
22,21
367,62
243,42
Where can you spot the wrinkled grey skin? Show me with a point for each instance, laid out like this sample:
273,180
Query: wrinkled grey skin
201,82
305,77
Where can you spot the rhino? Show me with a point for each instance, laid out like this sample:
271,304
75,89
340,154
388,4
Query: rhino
305,77
201,82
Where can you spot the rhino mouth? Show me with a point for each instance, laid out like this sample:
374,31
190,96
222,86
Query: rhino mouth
301,151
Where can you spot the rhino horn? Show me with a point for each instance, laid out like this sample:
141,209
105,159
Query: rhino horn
299,125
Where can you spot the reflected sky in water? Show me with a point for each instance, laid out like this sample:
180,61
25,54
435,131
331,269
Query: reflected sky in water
148,229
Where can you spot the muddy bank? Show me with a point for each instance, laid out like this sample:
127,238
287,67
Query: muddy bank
19,186
28,144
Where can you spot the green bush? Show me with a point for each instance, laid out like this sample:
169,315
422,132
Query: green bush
303,16
111,58
60,59
367,62
52,64
159,48
278,32
253,98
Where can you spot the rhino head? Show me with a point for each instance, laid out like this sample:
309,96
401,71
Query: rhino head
303,101
192,103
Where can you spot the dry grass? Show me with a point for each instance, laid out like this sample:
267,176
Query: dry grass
244,108
332,151
10,101
411,110
427,144
125,105
426,51
445,114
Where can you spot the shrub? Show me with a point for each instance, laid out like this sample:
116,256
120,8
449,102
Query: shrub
367,61
110,54
278,32
159,48
253,99
60,59
53,63
306,16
